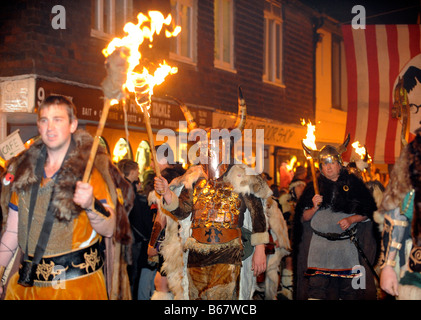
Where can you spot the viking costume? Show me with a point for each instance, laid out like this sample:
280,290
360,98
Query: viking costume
72,265
321,248
222,212
158,235
217,210
401,245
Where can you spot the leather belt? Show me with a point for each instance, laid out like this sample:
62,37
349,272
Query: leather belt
70,265
213,235
337,236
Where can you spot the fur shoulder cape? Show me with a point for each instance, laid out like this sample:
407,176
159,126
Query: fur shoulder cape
348,194
242,182
23,166
173,249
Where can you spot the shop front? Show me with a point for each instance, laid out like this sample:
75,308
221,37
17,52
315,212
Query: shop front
271,144
124,135
278,143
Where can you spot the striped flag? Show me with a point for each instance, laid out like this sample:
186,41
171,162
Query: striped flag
375,58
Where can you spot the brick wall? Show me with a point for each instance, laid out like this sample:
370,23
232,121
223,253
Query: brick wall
29,44
205,85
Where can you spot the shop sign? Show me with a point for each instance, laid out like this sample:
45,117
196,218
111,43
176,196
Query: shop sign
17,95
275,133
12,145
88,100
89,104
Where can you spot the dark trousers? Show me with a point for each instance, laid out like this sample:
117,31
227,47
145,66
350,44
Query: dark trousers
331,288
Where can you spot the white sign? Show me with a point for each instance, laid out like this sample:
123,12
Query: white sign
17,95
12,145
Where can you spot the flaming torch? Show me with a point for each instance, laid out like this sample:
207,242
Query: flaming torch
142,83
309,143
365,160
112,86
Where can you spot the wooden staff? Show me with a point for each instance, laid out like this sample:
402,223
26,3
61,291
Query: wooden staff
101,124
313,173
309,155
151,140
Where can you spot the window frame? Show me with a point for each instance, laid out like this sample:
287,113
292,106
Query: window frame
273,57
219,41
192,33
98,7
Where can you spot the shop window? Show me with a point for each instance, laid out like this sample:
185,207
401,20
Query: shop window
103,143
286,161
122,150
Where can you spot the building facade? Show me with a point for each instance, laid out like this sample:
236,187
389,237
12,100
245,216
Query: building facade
269,48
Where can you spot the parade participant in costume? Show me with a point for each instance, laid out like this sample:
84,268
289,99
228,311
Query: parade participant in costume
130,170
401,206
212,206
288,202
55,221
169,170
277,250
326,226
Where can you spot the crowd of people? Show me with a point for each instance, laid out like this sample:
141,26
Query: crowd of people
212,231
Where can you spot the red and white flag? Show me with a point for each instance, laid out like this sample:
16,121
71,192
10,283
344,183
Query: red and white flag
375,58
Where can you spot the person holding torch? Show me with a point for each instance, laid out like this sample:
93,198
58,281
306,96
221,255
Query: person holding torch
329,265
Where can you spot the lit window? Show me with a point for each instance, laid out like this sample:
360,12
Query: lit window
104,144
224,34
143,158
108,17
183,47
121,150
273,56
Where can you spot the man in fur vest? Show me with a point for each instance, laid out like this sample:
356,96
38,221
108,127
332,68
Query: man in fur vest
325,258
55,221
214,198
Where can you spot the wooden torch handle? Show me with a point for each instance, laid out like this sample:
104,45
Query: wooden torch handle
313,173
151,141
100,128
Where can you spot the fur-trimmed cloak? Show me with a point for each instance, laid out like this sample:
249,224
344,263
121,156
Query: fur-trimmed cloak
348,195
174,247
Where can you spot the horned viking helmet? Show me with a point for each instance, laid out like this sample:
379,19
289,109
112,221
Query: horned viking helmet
328,154
216,164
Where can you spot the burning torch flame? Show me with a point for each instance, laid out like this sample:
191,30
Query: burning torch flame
361,150
136,34
291,163
310,140
310,143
